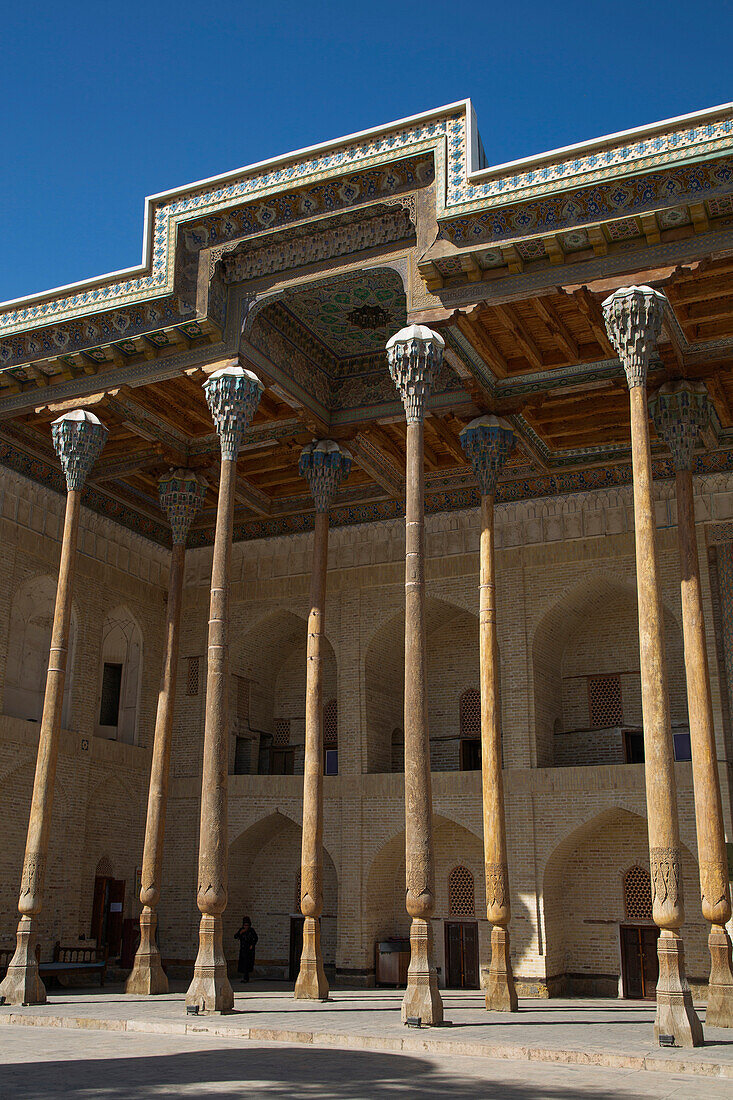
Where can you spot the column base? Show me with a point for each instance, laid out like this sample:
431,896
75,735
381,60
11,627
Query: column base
312,984
147,977
22,984
210,989
719,1011
675,1013
501,995
422,998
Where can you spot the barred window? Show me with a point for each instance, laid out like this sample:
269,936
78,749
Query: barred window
282,732
330,723
604,701
471,713
192,676
461,901
637,894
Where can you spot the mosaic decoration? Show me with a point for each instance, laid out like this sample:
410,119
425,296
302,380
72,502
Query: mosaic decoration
680,411
487,442
181,494
327,311
415,355
232,395
633,316
78,438
324,465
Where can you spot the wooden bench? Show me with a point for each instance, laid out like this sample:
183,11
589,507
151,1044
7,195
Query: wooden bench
76,959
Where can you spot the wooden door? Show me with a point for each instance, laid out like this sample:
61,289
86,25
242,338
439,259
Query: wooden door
114,916
98,930
639,961
296,946
461,954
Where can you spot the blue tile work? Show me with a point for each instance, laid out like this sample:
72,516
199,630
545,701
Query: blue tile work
444,134
78,439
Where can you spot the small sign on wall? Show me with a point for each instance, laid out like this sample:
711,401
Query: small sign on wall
115,907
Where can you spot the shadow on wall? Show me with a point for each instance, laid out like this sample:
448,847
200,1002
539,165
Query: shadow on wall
232,1072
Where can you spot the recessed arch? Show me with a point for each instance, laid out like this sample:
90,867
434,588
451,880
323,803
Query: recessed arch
118,699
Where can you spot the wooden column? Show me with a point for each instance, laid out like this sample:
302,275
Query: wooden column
415,355
325,466
232,395
680,411
487,442
633,319
78,438
181,495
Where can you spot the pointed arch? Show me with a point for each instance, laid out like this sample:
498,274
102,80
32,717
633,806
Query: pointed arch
118,697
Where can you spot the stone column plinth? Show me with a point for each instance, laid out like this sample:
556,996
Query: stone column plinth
324,465
487,442
415,355
232,395
78,438
680,411
181,495
633,319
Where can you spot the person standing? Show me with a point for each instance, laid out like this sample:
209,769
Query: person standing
247,940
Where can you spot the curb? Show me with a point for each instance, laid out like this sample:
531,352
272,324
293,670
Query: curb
403,1044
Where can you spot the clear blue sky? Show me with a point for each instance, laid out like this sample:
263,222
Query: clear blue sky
103,104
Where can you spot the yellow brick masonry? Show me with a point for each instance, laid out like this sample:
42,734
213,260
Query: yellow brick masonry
566,611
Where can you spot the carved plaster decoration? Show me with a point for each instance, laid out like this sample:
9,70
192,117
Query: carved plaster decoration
78,439
415,355
487,442
633,318
680,411
181,494
324,465
232,395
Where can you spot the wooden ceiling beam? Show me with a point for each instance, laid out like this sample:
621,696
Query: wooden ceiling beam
475,332
593,314
520,334
378,464
558,329
447,438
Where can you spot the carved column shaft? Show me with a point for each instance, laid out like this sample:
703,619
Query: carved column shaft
232,395
181,496
680,412
325,465
78,439
634,319
414,356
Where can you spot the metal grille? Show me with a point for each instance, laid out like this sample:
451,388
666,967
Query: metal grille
637,894
471,713
192,676
330,723
282,732
461,901
604,701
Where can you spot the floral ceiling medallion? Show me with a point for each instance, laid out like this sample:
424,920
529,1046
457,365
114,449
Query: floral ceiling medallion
368,318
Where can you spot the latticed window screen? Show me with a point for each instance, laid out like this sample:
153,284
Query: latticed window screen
192,676
461,901
471,713
604,701
282,732
637,894
330,723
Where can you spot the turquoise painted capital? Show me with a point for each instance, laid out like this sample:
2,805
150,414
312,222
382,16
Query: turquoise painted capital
324,465
78,439
232,395
680,411
487,443
181,494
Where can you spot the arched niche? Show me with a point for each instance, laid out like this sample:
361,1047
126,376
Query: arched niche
118,697
31,622
264,868
271,656
453,667
586,676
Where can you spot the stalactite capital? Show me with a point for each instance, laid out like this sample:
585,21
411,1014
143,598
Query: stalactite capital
680,411
415,355
633,316
487,442
232,395
78,439
181,494
324,465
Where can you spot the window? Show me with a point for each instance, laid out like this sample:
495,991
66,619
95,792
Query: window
331,762
192,676
634,747
330,738
604,702
470,720
109,710
682,746
637,894
242,755
461,902
282,732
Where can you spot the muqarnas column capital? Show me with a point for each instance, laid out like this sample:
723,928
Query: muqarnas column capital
633,316
181,493
487,442
415,355
680,411
324,465
78,439
232,395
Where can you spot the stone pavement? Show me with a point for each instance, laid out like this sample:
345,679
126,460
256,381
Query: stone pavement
614,1034
59,1064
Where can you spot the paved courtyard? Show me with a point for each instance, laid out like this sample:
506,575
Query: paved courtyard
103,1044
51,1063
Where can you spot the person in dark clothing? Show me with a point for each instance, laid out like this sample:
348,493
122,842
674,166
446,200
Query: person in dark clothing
247,939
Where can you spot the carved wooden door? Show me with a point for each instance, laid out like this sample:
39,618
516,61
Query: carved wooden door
461,954
640,962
